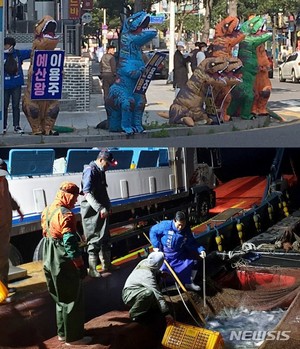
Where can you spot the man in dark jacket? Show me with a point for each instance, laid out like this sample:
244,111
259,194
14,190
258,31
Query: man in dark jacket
13,81
180,68
108,69
95,209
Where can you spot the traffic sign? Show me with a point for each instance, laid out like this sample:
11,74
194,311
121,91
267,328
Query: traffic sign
86,17
104,27
157,19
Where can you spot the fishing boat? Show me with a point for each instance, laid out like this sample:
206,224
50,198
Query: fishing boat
30,320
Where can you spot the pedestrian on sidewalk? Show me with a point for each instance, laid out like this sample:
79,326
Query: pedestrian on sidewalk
95,209
108,70
142,291
180,68
13,81
7,205
63,265
198,54
175,239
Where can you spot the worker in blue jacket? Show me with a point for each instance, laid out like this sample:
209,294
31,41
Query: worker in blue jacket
13,81
175,239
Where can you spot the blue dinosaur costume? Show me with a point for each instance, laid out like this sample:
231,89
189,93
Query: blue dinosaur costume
124,107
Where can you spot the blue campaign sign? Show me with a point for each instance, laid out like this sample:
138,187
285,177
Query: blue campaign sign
150,68
47,76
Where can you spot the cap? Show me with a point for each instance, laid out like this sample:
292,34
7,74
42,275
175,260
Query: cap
69,187
3,168
180,216
180,43
10,41
155,260
108,156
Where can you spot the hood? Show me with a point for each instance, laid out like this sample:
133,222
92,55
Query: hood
155,260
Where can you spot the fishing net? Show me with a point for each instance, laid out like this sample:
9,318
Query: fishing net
290,324
253,288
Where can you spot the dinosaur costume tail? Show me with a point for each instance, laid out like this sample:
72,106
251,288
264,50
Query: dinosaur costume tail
276,116
164,114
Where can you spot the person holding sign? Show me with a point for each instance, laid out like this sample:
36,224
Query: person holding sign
13,81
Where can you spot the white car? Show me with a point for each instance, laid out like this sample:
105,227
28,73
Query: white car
290,69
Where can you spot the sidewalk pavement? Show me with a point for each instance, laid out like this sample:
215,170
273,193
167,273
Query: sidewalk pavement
159,96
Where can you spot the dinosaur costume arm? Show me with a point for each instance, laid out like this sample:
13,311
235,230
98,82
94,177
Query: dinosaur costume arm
236,38
259,39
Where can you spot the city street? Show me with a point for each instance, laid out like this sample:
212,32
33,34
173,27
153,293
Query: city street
262,132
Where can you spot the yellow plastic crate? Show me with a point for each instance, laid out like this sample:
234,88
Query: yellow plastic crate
181,336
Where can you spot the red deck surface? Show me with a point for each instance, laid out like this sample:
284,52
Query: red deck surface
241,193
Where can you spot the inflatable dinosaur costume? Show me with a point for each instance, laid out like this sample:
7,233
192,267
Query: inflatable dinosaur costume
188,107
41,115
124,107
243,95
227,35
262,84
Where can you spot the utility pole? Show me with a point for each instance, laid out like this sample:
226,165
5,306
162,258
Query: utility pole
104,31
172,35
31,10
232,7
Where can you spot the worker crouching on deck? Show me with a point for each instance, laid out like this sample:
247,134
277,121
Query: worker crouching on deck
142,292
63,265
175,239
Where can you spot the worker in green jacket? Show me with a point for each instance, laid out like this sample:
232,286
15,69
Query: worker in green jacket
142,292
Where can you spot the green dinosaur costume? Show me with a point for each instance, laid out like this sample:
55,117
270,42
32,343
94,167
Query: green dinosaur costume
243,94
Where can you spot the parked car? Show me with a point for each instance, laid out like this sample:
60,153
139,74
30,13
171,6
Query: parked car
271,65
290,68
162,70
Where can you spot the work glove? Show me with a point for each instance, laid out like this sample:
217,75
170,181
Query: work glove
200,249
155,249
203,254
103,213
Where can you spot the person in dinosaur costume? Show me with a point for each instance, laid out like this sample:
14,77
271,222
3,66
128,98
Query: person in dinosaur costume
188,106
262,84
227,36
41,114
243,95
124,107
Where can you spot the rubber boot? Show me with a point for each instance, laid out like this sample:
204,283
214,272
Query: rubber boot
105,259
192,286
93,261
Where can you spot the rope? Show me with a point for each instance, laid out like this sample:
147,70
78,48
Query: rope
185,305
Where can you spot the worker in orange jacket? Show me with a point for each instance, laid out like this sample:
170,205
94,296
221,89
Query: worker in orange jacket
7,205
63,264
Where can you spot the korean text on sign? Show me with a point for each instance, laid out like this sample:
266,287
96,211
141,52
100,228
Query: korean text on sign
150,69
47,74
74,9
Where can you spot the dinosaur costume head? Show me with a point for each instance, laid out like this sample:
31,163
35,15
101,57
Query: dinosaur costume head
211,70
233,74
227,26
135,29
45,37
253,25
